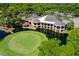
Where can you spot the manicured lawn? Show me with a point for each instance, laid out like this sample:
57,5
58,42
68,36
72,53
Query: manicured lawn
22,43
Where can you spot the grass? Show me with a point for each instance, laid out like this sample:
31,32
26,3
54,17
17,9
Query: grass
22,43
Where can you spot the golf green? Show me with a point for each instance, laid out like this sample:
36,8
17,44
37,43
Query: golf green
23,43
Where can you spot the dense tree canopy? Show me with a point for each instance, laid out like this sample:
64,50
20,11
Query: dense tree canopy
70,25
65,50
47,48
74,35
74,39
52,48
39,8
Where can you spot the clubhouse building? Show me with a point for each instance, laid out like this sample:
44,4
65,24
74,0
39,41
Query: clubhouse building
48,22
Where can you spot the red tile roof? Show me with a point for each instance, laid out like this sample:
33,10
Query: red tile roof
25,24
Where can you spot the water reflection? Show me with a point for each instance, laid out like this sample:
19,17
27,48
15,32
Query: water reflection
3,34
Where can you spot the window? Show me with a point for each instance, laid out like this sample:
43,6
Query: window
61,30
51,24
62,27
48,27
29,22
58,27
35,23
45,26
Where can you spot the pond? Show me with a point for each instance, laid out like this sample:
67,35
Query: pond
3,34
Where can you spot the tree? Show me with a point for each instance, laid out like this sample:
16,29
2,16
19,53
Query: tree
70,25
74,39
10,22
38,9
65,50
52,48
1,21
47,48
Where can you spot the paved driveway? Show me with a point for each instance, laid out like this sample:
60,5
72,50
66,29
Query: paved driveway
76,21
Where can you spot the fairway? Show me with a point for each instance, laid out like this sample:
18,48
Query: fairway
23,43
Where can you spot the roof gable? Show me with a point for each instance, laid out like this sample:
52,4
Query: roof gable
52,20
